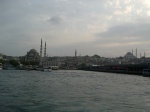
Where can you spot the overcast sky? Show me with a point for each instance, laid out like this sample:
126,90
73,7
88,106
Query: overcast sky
109,28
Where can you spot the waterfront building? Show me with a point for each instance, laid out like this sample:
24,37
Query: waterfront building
32,56
52,63
144,60
129,56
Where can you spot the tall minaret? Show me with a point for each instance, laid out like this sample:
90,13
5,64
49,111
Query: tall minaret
41,49
136,52
75,53
45,51
41,53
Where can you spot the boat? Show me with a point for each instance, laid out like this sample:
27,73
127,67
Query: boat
8,66
1,67
54,67
146,72
29,67
39,69
47,69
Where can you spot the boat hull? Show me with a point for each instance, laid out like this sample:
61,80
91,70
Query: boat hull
47,70
146,72
146,75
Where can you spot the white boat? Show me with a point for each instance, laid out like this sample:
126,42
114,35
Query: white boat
1,66
54,67
39,69
47,69
146,72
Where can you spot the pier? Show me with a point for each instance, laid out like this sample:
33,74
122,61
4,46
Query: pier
136,69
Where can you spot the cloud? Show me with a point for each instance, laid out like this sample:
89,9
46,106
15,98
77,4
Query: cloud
127,30
124,37
73,23
56,20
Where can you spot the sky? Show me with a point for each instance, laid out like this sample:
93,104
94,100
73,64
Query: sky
109,28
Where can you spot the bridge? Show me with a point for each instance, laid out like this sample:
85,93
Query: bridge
135,69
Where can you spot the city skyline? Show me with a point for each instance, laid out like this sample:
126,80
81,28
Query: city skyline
103,27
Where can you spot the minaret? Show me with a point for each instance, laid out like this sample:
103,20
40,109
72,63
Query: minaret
136,52
75,53
41,53
41,49
45,51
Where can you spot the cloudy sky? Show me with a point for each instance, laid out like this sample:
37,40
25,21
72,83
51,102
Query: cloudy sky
109,28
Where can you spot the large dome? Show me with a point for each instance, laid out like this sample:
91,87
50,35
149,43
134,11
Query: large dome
33,51
129,55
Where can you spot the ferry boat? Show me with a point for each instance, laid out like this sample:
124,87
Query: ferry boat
146,72
39,69
1,67
47,69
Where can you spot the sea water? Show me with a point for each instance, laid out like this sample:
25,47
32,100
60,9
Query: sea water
73,91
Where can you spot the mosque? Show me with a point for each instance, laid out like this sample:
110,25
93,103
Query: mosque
44,61
34,56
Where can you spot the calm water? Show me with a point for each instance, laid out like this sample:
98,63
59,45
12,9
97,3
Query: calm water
73,91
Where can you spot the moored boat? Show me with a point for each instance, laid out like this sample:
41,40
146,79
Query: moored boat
1,67
146,72
47,69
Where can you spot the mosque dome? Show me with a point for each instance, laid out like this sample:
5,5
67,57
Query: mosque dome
32,55
33,51
129,55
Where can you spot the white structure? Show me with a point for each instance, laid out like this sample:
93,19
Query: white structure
42,60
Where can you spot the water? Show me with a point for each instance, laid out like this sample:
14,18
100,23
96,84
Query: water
73,91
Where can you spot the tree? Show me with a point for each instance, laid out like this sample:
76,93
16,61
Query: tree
14,62
29,63
3,61
82,65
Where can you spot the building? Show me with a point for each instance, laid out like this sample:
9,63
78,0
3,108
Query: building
32,56
129,56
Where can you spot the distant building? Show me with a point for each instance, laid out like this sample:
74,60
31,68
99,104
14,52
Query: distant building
32,55
129,56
